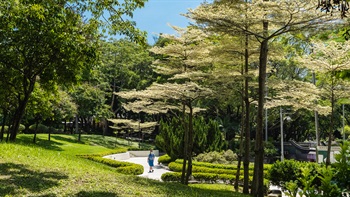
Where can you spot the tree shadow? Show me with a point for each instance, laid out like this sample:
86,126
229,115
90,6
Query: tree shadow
69,138
177,189
95,194
99,140
15,176
27,140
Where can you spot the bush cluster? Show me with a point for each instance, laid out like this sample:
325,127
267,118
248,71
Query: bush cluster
309,178
224,157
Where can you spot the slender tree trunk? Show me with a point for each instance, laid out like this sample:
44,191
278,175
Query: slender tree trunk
35,131
8,134
190,143
331,126
246,120
105,126
240,153
184,164
3,125
258,178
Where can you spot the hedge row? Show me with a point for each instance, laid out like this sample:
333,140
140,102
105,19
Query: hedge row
203,177
221,166
164,159
101,154
177,167
121,166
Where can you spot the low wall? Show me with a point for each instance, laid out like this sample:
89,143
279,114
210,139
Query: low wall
143,153
127,155
120,156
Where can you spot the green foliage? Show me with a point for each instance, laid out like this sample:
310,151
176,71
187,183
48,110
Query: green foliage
292,188
171,176
306,180
311,178
165,159
282,172
224,157
328,186
170,138
21,128
342,166
207,137
41,128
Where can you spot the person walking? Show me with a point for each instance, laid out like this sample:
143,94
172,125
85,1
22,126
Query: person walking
150,160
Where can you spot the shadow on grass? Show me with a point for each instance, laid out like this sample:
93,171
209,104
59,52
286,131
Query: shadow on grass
67,138
95,194
13,177
177,189
27,140
99,140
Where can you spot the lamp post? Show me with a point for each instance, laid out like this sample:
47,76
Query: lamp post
282,134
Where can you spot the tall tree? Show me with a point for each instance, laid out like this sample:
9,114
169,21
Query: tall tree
182,62
45,43
327,59
266,20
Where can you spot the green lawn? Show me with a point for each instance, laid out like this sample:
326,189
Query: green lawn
52,169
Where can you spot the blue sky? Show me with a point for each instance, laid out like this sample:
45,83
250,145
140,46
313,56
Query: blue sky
157,14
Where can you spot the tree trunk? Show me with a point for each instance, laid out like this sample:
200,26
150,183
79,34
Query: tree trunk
65,126
184,164
246,120
17,117
35,131
258,178
190,143
240,153
330,134
3,125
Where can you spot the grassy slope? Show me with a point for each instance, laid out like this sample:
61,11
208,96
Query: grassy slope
52,169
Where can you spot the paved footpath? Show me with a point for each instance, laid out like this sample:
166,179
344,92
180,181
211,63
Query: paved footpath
158,169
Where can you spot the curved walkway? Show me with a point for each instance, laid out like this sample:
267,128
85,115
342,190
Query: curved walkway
158,169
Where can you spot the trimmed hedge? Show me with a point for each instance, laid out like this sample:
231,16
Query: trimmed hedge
177,167
164,159
121,166
111,152
203,177
211,173
222,166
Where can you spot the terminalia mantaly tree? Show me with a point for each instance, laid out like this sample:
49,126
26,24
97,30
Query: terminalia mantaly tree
326,60
266,20
181,62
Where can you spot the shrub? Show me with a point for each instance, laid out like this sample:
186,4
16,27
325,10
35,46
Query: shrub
171,176
164,159
41,128
282,172
224,157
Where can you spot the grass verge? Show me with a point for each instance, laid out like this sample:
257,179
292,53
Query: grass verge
52,169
